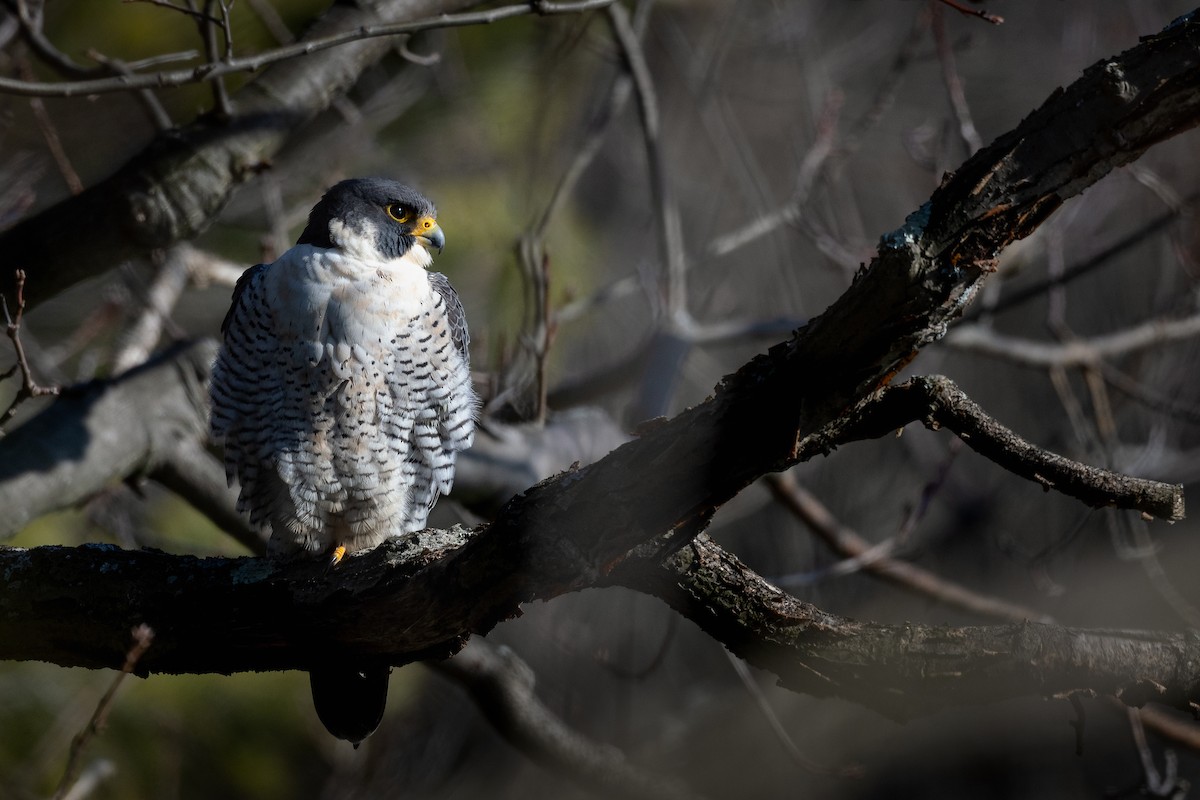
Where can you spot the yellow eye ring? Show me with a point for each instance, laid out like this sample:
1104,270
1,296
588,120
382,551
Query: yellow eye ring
398,213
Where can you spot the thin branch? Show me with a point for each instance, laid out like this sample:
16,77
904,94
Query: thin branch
213,71
812,166
982,14
954,87
139,340
849,544
618,96
1028,353
1105,256
502,685
208,269
1154,400
1185,733
1165,785
789,744
33,35
143,637
670,232
209,25
50,133
937,402
154,109
201,17
29,388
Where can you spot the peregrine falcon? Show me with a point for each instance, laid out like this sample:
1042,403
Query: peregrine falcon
342,395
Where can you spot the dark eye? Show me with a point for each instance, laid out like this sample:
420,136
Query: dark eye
401,214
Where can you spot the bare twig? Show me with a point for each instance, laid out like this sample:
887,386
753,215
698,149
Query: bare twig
1028,353
143,636
543,321
995,19
885,93
670,234
50,133
1185,733
1093,485
937,402
208,269
502,685
272,21
848,544
1165,785
214,71
811,168
30,20
1153,400
1105,256
789,744
29,388
209,24
188,10
539,330
154,109
33,35
140,339
954,86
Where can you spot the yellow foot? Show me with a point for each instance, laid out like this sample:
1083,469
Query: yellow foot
338,553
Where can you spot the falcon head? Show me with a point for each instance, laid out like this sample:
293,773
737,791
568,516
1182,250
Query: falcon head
374,219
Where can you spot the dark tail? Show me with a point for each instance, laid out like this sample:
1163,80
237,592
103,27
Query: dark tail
350,700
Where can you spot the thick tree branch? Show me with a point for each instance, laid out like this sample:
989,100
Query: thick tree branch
909,670
397,603
938,403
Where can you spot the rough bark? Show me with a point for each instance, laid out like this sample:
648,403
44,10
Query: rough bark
910,670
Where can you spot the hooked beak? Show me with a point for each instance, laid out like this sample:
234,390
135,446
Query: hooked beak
433,238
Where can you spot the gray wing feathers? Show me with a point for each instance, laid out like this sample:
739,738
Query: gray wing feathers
456,318
247,389
446,425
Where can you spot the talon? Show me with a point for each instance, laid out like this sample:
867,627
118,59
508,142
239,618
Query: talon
338,553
